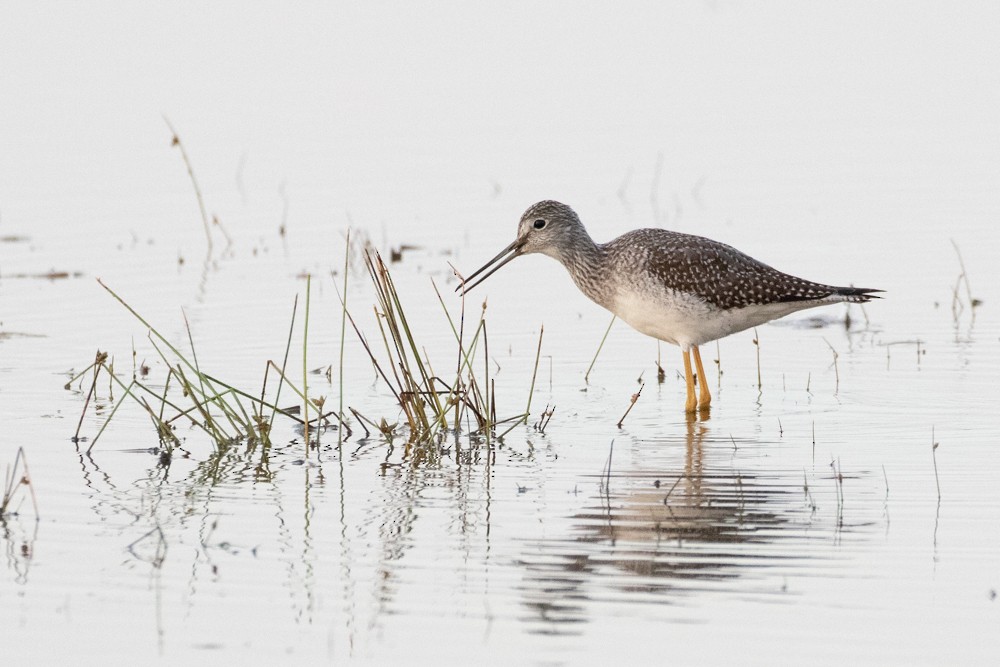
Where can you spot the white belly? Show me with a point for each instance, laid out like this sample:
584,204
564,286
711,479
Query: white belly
686,321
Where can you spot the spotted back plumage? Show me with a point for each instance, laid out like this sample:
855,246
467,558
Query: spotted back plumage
718,273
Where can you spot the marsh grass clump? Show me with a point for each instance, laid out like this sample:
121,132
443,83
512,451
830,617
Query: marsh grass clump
430,404
226,414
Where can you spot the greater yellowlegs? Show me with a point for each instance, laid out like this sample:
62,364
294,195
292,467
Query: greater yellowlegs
682,289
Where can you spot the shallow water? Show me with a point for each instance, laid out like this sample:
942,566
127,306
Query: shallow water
801,520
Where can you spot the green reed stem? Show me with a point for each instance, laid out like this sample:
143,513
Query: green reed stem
534,373
343,331
284,362
586,376
305,369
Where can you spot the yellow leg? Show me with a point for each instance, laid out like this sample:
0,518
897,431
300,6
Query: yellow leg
704,396
690,404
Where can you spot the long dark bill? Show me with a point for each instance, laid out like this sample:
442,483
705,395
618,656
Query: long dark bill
507,254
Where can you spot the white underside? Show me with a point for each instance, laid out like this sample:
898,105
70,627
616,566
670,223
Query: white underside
686,321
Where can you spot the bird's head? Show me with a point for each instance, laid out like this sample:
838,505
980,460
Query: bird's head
547,227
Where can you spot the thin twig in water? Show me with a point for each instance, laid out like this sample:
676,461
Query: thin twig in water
99,360
488,430
343,329
917,342
718,364
957,307
937,479
15,480
176,141
814,440
545,418
836,369
838,477
964,276
661,374
284,365
534,373
635,397
756,342
586,376
283,227
305,371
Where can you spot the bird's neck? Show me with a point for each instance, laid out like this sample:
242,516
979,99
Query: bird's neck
585,262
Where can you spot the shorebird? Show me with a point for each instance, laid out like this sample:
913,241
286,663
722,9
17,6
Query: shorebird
681,289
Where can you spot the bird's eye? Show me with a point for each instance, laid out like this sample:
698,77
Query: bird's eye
539,224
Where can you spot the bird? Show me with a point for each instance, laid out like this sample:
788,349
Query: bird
678,288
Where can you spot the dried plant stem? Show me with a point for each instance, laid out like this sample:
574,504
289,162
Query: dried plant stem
964,276
14,480
635,397
838,477
176,141
545,418
937,479
814,441
97,365
718,363
836,369
805,487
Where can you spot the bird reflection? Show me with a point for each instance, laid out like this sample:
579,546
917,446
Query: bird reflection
655,531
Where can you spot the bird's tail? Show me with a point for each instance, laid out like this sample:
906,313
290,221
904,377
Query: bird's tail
857,294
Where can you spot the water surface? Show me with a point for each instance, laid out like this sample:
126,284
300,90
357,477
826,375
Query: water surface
807,518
